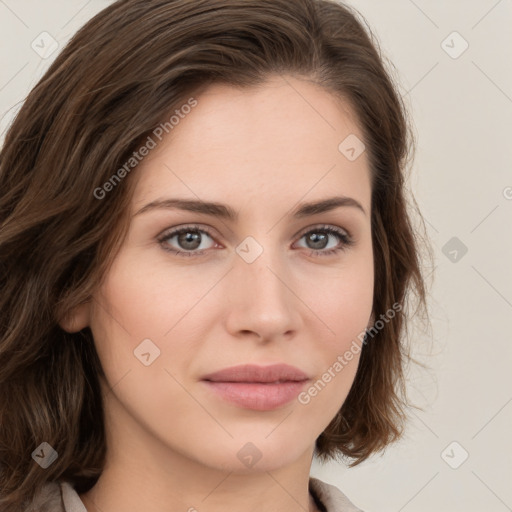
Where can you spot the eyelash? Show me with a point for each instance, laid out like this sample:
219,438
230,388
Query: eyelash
342,235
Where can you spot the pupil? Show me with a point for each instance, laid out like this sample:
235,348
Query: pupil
189,240
318,240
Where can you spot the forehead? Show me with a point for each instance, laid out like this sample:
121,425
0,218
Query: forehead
281,136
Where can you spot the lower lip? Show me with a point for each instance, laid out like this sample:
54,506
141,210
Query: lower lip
256,395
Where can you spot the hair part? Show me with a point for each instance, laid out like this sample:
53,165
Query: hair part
114,82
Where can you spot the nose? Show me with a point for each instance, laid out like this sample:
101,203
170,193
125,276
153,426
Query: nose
262,303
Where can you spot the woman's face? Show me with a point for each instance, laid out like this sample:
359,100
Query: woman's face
268,285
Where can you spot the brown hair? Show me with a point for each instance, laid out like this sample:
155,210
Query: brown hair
114,82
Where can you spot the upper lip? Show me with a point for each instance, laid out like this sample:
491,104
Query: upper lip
255,373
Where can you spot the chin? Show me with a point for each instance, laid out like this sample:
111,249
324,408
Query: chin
251,456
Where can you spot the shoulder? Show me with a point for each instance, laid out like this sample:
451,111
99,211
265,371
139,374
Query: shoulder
47,499
331,497
70,498
59,496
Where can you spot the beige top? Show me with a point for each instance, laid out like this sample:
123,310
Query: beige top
61,497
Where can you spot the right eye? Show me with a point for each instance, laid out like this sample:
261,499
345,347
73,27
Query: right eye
188,241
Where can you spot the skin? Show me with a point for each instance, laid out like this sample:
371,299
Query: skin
171,443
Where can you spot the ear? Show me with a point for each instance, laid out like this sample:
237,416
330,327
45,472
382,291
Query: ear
76,319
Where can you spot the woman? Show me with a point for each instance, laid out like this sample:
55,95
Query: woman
205,260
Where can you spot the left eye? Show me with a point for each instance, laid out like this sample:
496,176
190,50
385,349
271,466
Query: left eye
319,238
189,241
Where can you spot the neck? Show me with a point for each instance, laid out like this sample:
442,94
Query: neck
231,493
150,475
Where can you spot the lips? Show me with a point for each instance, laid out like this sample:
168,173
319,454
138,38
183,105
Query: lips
260,388
261,374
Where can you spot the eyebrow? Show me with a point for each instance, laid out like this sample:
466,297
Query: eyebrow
224,211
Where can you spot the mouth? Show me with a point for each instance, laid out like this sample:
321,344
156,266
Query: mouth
260,388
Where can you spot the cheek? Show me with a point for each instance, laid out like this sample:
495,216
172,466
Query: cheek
146,300
343,306
140,302
345,310
134,310
126,312
343,300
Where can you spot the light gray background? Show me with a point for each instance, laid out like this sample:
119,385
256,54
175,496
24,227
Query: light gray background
462,111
